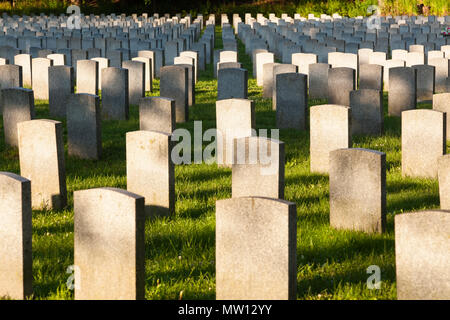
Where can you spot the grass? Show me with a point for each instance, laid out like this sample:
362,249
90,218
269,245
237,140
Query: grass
180,251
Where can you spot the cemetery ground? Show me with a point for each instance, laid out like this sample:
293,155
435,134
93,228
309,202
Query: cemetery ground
180,250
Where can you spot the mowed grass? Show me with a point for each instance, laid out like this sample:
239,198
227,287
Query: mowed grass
180,250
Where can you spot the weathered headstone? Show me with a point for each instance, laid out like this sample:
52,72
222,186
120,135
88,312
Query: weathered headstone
268,79
442,72
115,103
402,90
87,76
232,83
371,76
292,100
318,80
367,111
16,258
358,190
109,235
58,59
84,134
280,69
174,84
150,171
425,82
136,80
261,59
441,102
340,82
191,82
24,60
40,77
444,181
18,106
60,88
235,118
254,261
330,129
303,60
422,255
171,51
258,168
10,77
102,64
157,114
389,64
41,155
423,142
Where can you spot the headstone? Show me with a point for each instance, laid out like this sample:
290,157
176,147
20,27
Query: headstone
413,58
60,88
358,190
386,67
330,129
16,232
87,77
150,171
235,118
58,59
442,72
280,69
18,106
170,52
444,181
318,80
157,56
232,83
423,142
191,83
371,77
441,103
109,235
186,60
258,168
268,79
24,60
157,114
367,111
84,134
425,82
115,103
254,261
41,155
402,90
303,60
260,60
40,77
228,56
10,77
292,101
340,82
174,84
148,72
136,80
102,64
422,255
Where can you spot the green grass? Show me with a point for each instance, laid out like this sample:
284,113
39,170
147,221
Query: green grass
180,251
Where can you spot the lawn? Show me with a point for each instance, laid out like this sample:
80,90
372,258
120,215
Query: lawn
180,250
